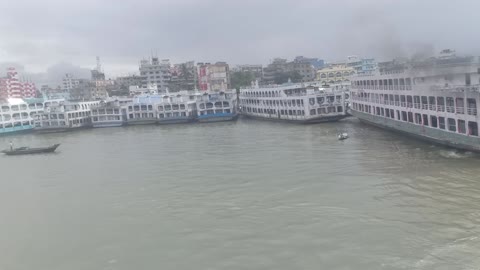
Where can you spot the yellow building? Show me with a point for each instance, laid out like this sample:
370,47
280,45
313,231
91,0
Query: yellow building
335,73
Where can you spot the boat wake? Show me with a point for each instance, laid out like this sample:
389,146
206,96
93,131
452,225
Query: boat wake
455,154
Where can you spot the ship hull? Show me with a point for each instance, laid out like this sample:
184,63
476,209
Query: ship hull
107,124
15,130
217,117
317,120
175,121
427,134
149,121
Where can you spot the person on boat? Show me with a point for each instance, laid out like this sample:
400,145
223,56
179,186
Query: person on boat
11,146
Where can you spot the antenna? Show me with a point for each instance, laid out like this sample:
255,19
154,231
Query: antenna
99,66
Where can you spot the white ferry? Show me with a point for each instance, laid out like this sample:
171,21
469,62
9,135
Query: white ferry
215,107
142,111
301,103
61,115
110,113
434,99
17,115
180,108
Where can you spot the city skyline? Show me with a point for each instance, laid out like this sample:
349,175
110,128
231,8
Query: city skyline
250,32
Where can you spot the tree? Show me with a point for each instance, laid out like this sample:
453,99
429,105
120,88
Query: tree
241,79
283,77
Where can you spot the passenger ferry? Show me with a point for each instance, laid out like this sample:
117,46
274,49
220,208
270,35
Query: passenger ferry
215,107
110,113
142,111
17,115
300,103
179,108
61,115
434,99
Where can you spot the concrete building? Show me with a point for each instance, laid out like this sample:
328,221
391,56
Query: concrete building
304,67
277,66
128,81
155,72
69,82
213,77
335,73
12,87
362,66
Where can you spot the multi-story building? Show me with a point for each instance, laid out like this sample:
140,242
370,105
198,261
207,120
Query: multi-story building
183,76
69,82
335,74
155,72
213,77
277,66
362,66
13,87
304,67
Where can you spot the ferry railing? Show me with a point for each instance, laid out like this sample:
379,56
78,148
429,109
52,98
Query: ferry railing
472,111
397,103
440,108
404,104
450,109
409,87
425,106
431,107
416,105
392,102
402,87
460,110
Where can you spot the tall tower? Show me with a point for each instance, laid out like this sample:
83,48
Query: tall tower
99,65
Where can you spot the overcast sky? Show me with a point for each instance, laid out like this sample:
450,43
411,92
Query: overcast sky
41,34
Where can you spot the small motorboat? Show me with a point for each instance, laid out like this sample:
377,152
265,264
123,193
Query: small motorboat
342,136
29,151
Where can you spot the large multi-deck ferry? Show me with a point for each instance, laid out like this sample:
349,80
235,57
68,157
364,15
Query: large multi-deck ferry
179,108
301,103
434,99
17,115
110,113
61,115
142,111
215,107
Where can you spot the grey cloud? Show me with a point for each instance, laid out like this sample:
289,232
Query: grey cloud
238,32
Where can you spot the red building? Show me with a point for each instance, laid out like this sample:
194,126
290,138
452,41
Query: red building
12,87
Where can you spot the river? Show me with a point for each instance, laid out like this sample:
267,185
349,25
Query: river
244,195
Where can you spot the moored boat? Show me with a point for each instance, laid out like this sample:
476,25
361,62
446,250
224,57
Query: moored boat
30,151
217,107
304,103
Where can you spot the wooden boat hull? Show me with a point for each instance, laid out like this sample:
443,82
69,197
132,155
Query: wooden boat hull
31,151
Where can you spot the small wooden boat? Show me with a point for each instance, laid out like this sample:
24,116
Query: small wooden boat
342,136
29,151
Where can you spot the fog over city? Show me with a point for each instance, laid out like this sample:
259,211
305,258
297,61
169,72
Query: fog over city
51,37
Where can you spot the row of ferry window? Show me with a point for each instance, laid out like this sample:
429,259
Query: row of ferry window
62,116
290,102
450,124
386,84
32,106
449,104
105,118
16,124
324,110
16,116
293,102
107,111
263,94
62,123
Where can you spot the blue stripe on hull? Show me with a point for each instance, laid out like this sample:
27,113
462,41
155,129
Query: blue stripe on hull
15,130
